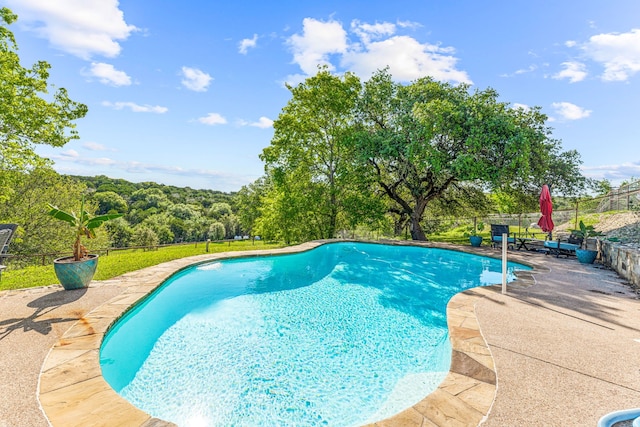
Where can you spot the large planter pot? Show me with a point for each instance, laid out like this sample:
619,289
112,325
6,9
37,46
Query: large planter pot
75,274
475,240
586,256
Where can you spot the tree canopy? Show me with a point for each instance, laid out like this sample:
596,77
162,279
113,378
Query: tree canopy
426,139
308,160
27,117
345,151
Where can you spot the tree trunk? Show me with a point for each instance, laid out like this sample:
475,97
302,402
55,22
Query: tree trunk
417,233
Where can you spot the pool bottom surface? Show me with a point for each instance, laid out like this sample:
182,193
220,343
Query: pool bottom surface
349,359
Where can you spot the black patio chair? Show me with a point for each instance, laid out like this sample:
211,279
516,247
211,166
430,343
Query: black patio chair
497,230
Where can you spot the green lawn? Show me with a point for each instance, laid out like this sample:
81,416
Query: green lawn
120,262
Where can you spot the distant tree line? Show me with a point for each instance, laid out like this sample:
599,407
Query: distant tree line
160,214
153,213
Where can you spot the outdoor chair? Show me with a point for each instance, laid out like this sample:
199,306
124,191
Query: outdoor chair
497,230
6,233
566,248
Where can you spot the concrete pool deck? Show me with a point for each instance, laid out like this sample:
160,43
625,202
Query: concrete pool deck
564,342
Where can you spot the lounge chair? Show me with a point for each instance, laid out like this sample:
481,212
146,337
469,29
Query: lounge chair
6,233
558,247
497,230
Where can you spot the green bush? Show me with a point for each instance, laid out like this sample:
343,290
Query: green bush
144,236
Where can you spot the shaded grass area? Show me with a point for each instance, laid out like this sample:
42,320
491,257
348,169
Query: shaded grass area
120,262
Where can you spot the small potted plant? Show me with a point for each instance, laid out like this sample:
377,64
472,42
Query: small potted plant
76,271
584,255
473,233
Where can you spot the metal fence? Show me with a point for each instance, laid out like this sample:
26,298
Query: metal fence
625,197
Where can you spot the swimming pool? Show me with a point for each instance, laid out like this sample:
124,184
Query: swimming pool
344,334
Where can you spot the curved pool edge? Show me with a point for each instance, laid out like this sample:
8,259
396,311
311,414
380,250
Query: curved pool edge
72,391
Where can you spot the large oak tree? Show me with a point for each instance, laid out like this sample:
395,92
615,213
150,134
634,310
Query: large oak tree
423,140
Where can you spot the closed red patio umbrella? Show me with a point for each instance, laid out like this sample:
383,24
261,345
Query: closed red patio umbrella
546,207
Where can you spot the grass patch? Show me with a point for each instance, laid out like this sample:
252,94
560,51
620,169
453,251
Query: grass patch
120,262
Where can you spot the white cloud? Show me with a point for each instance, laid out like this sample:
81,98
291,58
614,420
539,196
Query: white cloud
318,41
94,146
70,153
409,24
407,60
245,44
100,161
262,123
378,46
614,173
574,71
136,108
530,69
294,79
107,74
619,53
367,32
195,79
141,167
517,106
74,157
83,28
152,172
569,111
213,119
570,43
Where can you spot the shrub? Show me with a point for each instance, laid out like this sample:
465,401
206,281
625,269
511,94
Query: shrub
216,231
144,236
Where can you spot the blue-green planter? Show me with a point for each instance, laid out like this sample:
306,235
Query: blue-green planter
475,240
586,256
75,274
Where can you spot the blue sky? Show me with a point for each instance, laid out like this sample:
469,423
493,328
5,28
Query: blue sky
184,93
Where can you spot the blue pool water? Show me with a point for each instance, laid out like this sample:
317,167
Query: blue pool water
344,334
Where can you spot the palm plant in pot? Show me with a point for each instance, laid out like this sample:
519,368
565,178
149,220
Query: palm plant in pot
584,255
76,271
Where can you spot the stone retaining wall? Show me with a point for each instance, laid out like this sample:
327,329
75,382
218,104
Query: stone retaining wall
624,258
